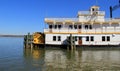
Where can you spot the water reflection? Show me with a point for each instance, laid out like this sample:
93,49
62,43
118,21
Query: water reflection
34,59
79,60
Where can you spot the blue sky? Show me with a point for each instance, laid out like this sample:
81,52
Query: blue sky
22,16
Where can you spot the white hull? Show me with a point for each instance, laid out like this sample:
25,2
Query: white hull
114,39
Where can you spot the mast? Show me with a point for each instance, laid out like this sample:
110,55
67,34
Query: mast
114,8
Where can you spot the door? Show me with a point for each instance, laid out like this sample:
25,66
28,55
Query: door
80,41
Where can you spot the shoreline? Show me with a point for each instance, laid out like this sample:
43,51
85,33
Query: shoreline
11,35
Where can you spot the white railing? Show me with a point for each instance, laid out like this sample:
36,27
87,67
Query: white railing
103,30
89,12
62,19
112,20
83,20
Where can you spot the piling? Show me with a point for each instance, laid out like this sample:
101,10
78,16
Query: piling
71,43
28,39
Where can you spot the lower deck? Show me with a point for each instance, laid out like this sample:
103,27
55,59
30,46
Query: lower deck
82,39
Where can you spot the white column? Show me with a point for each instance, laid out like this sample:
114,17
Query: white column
119,26
92,26
110,26
82,27
101,27
54,24
73,26
54,27
63,27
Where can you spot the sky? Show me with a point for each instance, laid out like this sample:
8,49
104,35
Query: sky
23,16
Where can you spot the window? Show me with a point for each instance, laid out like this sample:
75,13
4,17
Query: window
54,38
59,26
71,26
80,38
87,38
79,27
75,38
55,26
103,38
108,38
59,38
50,26
75,26
68,37
86,26
90,26
93,9
92,38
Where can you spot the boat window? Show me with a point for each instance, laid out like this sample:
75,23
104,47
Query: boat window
80,38
59,26
87,38
103,38
79,27
55,26
54,38
108,38
68,37
75,38
59,38
71,26
93,9
75,26
50,26
92,38
90,26
86,26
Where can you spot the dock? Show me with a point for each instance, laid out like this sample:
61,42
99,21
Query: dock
34,40
37,40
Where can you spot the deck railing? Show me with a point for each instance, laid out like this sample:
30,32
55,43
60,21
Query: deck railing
62,19
79,20
89,12
90,31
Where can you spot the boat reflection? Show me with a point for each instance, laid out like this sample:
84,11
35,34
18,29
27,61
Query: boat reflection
78,60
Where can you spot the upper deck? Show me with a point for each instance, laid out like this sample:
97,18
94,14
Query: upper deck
77,20
87,22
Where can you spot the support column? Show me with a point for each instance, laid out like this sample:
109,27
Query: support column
52,30
119,26
101,27
82,26
92,25
64,27
73,26
110,26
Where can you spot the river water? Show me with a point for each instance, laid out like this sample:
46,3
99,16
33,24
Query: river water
13,57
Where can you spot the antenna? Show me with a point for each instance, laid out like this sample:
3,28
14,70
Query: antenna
96,2
119,2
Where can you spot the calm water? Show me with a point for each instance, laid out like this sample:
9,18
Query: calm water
14,58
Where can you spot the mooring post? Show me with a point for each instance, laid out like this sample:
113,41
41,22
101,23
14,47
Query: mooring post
31,42
26,41
71,42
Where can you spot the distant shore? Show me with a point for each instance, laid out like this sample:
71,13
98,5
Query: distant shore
11,35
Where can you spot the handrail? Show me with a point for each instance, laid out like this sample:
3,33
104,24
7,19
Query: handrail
89,12
77,19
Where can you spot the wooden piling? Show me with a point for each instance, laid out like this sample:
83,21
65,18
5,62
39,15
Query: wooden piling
28,39
71,43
